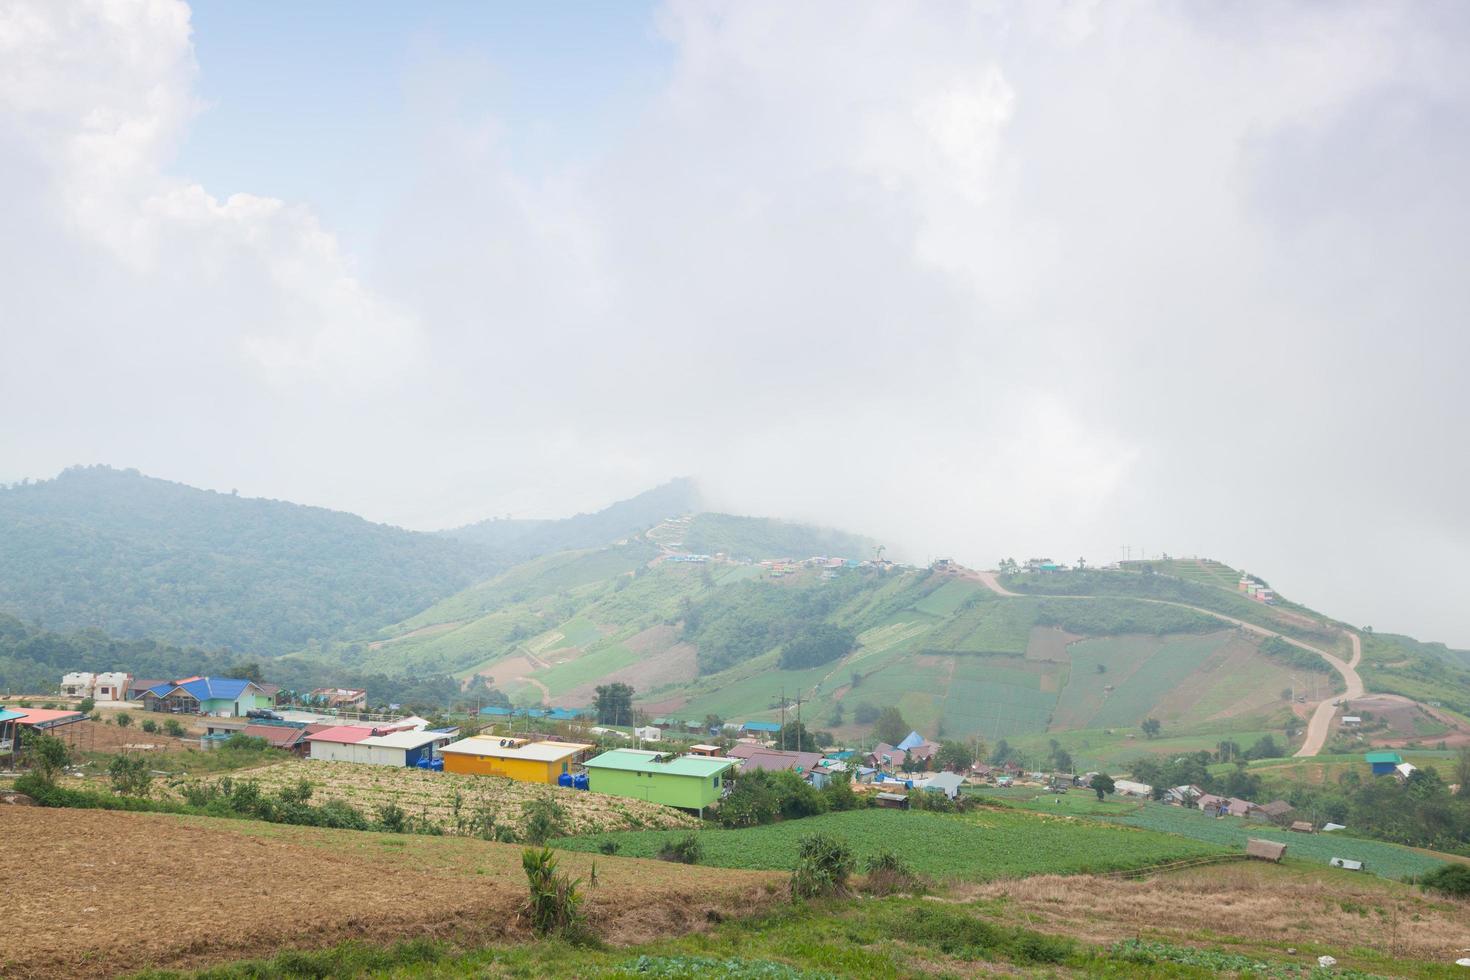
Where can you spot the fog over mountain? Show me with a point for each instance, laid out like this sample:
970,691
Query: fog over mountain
1042,278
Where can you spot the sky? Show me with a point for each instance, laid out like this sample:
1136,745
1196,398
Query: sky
1029,279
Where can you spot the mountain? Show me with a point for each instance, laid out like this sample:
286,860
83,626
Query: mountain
143,557
1083,657
520,540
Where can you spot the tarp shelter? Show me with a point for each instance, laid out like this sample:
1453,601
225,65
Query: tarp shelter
1265,850
1346,863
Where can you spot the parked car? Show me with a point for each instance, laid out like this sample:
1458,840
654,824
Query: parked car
263,714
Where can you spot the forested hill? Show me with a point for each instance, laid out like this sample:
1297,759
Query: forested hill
142,557
522,540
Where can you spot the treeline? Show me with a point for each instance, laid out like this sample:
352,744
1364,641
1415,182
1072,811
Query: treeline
32,661
759,538
1113,616
1294,656
1419,812
141,557
741,622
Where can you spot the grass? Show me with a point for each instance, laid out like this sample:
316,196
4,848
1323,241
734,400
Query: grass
1385,860
970,847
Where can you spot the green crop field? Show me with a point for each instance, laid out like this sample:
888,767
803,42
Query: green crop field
971,847
948,598
586,668
1073,803
1385,860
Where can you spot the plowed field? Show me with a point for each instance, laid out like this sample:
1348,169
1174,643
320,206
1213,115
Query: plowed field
95,893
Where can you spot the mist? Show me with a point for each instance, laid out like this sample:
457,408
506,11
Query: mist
1005,280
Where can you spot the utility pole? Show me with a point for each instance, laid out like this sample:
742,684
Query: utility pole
783,718
798,722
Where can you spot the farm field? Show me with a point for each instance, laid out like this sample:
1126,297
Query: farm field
421,793
968,847
1115,751
1385,860
315,888
1073,803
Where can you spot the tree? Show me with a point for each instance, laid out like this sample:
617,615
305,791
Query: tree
1227,751
172,727
47,755
1102,784
1102,668
839,714
1001,753
865,714
1266,747
613,703
247,670
1151,727
891,727
1462,772
794,737
130,775
817,644
713,723
955,756
86,706
1062,759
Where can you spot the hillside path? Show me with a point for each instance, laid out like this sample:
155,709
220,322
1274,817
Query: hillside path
1320,724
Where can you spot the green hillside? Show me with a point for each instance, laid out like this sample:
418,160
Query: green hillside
145,558
759,538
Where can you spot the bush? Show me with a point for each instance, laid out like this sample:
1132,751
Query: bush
47,755
172,727
888,873
608,846
554,904
149,725
124,719
130,775
392,818
684,850
1452,880
823,865
240,742
86,706
545,819
865,713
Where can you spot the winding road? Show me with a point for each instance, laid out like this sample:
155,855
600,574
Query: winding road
1320,724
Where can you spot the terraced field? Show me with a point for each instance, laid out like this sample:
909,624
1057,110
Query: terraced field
1386,860
970,847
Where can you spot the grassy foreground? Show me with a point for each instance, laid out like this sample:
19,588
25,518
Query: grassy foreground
971,847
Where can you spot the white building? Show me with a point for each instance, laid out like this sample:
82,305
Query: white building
109,686
1127,787
357,743
648,734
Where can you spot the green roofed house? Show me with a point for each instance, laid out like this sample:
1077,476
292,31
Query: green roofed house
691,782
1383,763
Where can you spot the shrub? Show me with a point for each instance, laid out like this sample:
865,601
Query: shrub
865,713
47,756
1452,880
124,719
149,725
608,846
888,873
554,904
239,741
86,706
545,819
684,850
823,865
172,727
392,818
130,775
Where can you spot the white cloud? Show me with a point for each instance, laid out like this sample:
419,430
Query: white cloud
980,279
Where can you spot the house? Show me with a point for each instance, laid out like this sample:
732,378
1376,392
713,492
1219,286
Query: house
894,801
760,728
1127,787
1383,763
691,782
1215,806
948,783
1275,810
911,740
109,686
341,698
513,758
886,756
1236,807
138,686
759,757
1404,770
819,776
374,747
1187,795
648,733
1351,721
228,697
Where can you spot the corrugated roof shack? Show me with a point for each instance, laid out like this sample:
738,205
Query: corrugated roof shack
1265,850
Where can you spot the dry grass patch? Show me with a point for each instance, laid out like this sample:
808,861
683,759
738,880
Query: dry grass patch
1267,907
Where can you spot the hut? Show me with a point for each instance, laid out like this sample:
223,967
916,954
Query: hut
1383,763
1265,850
513,758
893,801
1302,827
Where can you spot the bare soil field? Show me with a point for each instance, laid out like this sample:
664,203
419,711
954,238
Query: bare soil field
94,736
422,793
1050,643
186,892
662,660
1270,907
1408,721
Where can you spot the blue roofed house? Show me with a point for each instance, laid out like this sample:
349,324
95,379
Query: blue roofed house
1383,763
913,740
224,697
760,727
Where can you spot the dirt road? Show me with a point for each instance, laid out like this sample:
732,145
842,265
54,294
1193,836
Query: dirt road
1320,725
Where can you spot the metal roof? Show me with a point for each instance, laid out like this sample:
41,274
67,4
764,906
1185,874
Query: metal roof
531,752
207,688
343,734
1382,757
761,726
47,717
634,760
406,740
